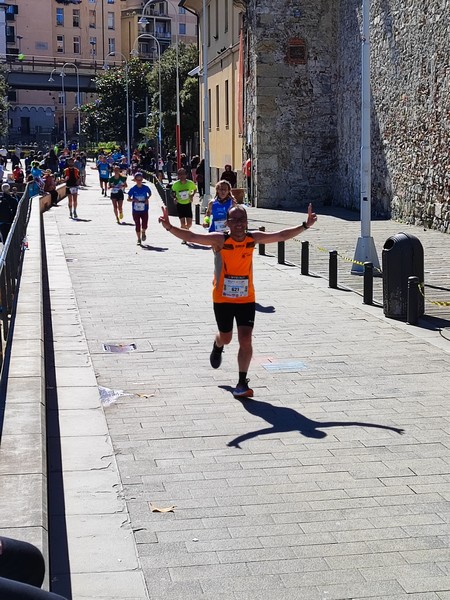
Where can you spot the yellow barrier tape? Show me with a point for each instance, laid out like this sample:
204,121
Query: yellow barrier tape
440,303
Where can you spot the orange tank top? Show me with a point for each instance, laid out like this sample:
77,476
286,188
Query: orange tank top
233,271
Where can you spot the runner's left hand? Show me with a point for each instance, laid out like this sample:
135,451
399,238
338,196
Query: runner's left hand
312,217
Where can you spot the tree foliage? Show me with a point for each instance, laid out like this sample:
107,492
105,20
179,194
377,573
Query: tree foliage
105,117
3,102
189,101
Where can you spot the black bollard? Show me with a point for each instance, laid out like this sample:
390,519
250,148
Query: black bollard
304,258
368,283
412,307
333,270
262,247
197,214
281,249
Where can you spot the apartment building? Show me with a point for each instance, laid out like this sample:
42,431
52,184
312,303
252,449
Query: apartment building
51,33
225,83
165,21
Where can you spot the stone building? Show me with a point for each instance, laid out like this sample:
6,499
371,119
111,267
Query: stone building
303,98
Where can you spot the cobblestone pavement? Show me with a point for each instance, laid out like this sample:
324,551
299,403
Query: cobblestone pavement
333,483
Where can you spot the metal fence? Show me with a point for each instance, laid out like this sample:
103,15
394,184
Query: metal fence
10,267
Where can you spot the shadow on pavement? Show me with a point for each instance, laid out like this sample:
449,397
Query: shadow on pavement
283,419
197,246
82,220
264,309
154,248
129,224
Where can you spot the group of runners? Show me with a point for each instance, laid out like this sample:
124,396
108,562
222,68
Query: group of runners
232,244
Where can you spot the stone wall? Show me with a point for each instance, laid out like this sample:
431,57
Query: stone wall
290,107
305,119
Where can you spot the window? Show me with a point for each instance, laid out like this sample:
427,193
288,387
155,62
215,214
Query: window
216,23
208,23
111,20
92,19
93,44
61,98
111,45
227,104
76,17
60,43
181,11
110,2
11,34
217,107
60,17
182,28
226,16
77,45
209,108
297,52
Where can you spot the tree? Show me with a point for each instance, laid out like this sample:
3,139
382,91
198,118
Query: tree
3,102
105,117
189,105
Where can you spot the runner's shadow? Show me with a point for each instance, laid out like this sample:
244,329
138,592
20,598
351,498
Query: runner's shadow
197,246
154,248
284,419
129,224
82,220
264,309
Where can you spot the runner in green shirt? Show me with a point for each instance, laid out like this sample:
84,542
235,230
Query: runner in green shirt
117,183
183,190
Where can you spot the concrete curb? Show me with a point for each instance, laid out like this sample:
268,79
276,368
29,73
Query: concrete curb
23,459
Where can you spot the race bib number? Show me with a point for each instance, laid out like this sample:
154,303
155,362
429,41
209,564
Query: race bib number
220,226
73,190
184,195
235,287
139,206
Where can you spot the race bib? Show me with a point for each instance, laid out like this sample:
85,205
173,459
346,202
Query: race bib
73,190
220,226
184,195
235,287
139,206
116,189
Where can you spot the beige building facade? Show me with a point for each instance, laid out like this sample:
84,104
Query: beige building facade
225,82
87,33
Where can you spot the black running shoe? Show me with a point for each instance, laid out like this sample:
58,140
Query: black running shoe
242,390
215,358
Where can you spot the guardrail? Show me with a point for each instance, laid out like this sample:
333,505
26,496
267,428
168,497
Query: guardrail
10,266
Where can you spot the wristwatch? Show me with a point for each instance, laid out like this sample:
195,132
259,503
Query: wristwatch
304,225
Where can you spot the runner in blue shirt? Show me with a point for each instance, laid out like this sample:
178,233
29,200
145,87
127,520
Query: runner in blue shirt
139,195
103,173
217,210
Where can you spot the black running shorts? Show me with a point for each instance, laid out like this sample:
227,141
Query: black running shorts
226,312
184,210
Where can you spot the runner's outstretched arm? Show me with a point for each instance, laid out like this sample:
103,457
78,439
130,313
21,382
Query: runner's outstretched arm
205,239
285,234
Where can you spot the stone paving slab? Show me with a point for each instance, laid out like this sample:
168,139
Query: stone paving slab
310,490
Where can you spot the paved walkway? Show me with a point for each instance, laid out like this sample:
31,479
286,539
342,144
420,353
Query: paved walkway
333,483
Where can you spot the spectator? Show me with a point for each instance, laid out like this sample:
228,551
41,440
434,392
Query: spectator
229,175
22,571
50,186
200,178
8,209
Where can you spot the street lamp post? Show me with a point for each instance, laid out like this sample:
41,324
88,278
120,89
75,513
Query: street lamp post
144,21
206,115
136,52
365,247
62,74
127,100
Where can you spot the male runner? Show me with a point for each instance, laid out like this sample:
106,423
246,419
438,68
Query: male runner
233,291
184,190
103,174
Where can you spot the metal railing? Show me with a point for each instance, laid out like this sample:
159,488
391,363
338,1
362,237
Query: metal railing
10,267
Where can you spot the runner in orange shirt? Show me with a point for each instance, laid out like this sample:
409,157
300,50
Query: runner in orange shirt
233,290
